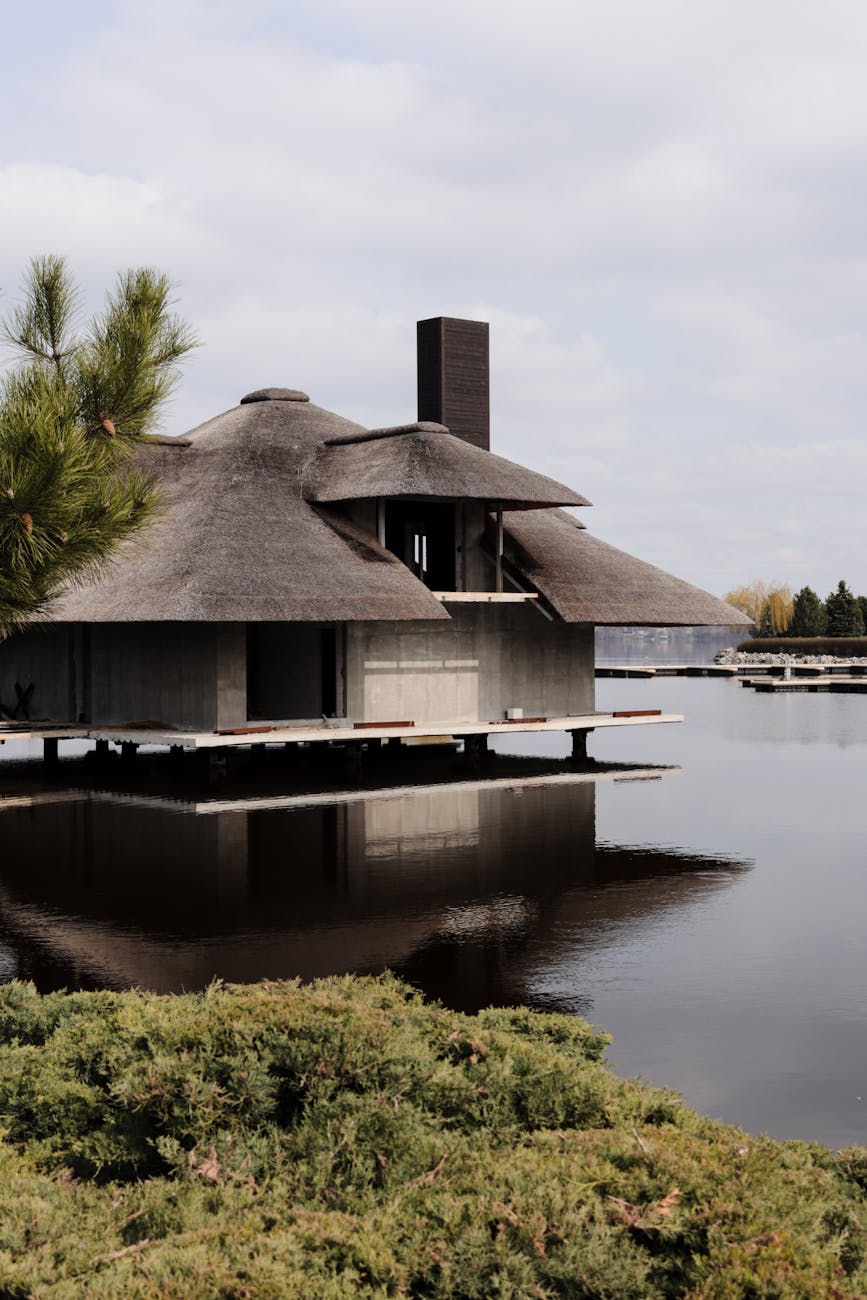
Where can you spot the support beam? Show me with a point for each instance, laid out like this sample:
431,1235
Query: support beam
475,749
499,584
579,745
353,759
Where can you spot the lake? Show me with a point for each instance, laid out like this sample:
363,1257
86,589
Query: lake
706,906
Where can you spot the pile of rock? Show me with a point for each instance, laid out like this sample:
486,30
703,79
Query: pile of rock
732,656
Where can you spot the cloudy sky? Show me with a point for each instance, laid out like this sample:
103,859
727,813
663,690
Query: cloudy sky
660,208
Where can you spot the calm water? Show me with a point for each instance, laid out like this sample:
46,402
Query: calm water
712,918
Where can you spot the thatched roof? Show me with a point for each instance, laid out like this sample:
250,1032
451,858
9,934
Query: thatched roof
247,533
424,460
237,541
585,580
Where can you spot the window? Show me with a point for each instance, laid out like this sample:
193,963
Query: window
422,535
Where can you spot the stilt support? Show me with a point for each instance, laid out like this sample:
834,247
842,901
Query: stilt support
100,752
128,750
579,746
353,758
49,751
475,749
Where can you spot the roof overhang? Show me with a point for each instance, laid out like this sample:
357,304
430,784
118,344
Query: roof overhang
425,461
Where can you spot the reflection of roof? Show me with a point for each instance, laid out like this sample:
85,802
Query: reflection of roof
587,581
425,460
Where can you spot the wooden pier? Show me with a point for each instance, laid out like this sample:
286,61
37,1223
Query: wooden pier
338,732
829,683
667,670
749,674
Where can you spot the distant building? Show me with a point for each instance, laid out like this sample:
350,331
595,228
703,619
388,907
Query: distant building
305,568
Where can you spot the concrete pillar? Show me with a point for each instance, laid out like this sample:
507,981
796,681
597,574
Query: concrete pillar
475,748
353,758
579,746
49,751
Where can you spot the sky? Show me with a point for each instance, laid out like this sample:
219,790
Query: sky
659,208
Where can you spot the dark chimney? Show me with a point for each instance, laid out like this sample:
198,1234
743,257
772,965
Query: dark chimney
453,377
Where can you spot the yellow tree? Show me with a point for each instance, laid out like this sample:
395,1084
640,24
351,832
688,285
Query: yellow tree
769,605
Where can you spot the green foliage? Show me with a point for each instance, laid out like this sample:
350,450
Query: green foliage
768,604
347,1139
808,614
843,613
70,413
842,647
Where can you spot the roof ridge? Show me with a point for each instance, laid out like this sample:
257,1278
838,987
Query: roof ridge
392,431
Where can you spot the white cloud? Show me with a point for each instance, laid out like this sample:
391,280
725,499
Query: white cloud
659,209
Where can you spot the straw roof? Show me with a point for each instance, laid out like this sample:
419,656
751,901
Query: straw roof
585,580
247,533
424,460
238,542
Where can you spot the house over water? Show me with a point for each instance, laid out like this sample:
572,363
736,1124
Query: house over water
311,574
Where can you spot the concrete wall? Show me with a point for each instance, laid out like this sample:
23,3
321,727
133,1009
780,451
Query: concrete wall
488,659
44,657
189,675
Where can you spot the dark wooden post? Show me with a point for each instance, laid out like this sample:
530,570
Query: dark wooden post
49,751
579,746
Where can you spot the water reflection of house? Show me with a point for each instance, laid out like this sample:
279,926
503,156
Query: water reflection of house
447,886
305,566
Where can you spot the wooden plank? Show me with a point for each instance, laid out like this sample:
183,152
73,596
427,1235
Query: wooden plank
361,726
510,722
243,731
637,713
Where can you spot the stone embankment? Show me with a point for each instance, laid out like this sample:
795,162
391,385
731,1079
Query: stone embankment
748,658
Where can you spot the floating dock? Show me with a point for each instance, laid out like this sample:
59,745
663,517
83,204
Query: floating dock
829,683
668,670
750,674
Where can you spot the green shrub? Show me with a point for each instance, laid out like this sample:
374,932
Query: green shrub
845,647
348,1139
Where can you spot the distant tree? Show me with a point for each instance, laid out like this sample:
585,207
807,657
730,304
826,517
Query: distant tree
809,617
862,605
768,605
843,612
71,411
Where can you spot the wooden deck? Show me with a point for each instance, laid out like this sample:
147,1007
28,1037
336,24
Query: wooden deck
338,731
829,683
